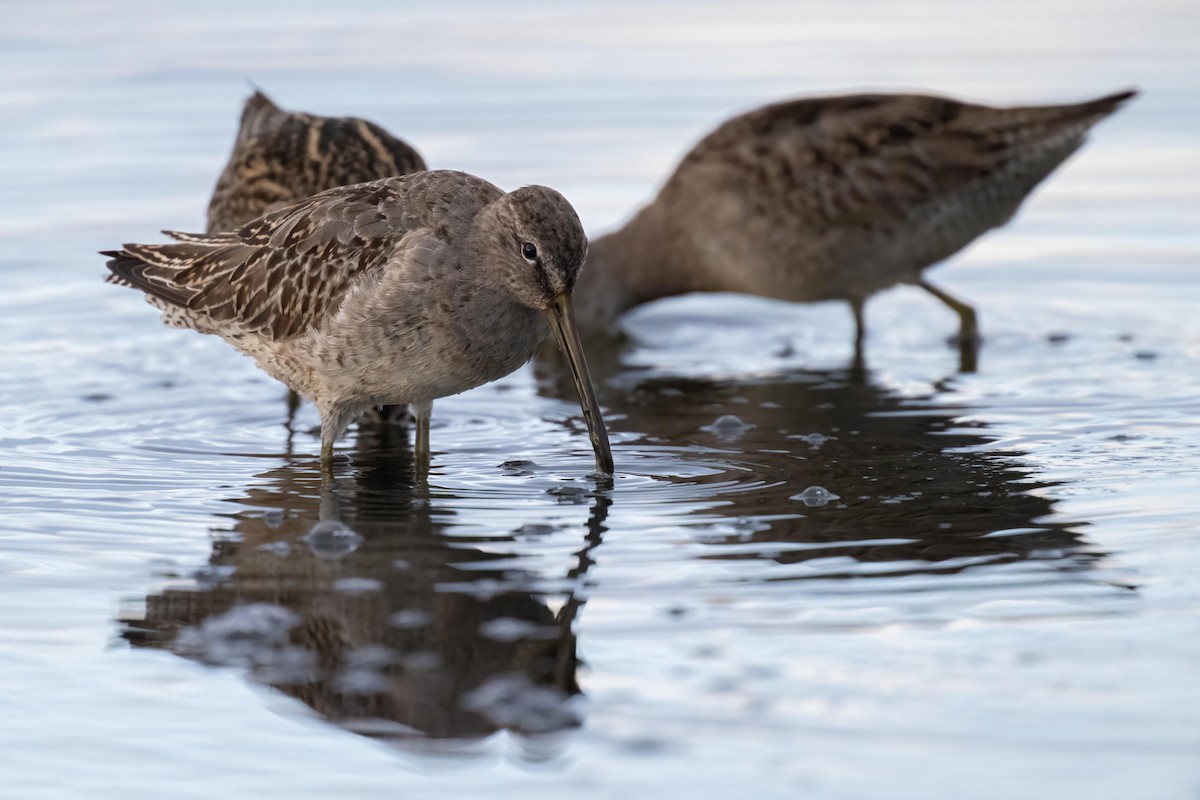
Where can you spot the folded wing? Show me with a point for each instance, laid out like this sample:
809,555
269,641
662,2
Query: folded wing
281,275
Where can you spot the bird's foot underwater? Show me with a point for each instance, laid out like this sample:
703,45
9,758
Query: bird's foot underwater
969,345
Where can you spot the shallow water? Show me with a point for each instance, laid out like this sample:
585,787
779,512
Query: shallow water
995,596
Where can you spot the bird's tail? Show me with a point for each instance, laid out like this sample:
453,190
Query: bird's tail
1067,120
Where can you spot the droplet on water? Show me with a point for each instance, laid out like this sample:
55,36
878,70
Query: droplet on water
357,585
728,426
569,494
281,548
331,540
255,636
409,619
511,700
520,466
816,496
814,440
363,671
511,629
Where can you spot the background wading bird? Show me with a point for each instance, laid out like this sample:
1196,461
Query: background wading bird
282,157
834,198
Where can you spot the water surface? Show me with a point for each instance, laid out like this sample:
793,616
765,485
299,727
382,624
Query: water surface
995,596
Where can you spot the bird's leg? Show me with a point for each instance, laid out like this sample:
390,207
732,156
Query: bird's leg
422,412
968,330
860,331
334,421
968,320
293,405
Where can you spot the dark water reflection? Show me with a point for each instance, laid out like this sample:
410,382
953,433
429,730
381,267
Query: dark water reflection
352,598
911,480
366,600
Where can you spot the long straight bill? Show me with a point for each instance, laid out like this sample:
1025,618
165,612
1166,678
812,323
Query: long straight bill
561,317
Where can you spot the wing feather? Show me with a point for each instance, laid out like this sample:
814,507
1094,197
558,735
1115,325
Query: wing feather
856,159
284,273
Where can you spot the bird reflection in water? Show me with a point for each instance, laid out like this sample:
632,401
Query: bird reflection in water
916,487
349,596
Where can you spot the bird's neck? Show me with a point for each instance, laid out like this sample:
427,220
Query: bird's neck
630,266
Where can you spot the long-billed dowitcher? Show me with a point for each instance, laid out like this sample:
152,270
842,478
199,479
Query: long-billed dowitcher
397,291
833,198
281,157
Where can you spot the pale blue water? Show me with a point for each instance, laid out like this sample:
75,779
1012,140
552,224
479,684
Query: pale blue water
1002,602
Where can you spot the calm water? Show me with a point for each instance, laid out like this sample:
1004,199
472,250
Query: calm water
1001,601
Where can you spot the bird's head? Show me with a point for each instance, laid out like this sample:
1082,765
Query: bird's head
533,241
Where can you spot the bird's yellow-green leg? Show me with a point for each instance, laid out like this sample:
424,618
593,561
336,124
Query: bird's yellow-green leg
968,328
422,412
334,421
293,405
860,327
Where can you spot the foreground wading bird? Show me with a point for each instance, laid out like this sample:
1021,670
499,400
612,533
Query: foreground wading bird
833,198
396,291
281,157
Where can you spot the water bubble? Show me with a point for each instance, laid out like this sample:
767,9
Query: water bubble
513,701
728,427
511,629
363,670
281,548
815,496
374,656
254,635
567,493
273,517
535,529
331,540
379,727
746,527
409,619
485,589
357,585
814,440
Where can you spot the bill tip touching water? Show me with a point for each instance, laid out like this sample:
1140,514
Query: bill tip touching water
397,291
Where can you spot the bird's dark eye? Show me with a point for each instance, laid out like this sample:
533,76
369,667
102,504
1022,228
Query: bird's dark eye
529,250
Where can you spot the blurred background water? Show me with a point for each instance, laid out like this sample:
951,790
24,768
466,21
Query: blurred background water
1001,600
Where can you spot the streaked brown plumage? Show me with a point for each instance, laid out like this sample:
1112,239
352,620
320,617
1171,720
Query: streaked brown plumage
833,198
281,157
390,292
